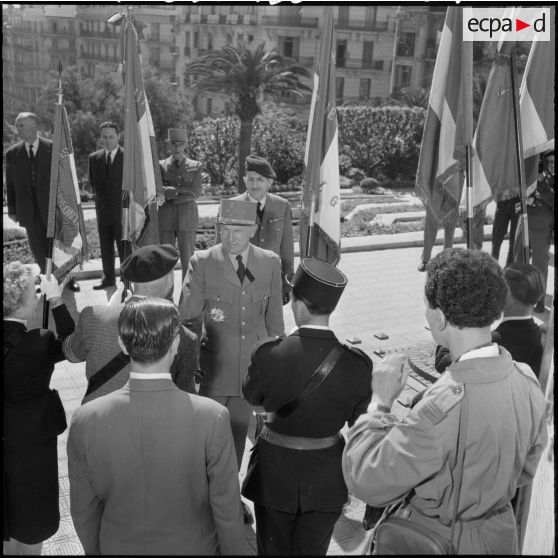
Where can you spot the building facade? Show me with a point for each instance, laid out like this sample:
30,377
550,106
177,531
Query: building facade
380,48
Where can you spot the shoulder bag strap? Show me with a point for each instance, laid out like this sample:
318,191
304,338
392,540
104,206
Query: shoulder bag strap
108,371
461,439
319,375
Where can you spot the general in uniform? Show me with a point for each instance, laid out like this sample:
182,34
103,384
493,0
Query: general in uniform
294,477
275,225
233,291
182,184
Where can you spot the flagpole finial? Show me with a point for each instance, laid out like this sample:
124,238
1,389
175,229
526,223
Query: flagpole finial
59,81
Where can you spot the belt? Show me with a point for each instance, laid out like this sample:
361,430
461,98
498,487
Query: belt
297,442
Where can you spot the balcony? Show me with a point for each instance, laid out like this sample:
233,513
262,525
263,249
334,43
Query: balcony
100,58
59,33
106,34
287,21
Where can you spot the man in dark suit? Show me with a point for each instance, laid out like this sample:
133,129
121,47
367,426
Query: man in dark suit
152,469
28,165
105,177
294,477
275,225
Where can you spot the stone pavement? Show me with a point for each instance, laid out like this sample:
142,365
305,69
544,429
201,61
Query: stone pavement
384,294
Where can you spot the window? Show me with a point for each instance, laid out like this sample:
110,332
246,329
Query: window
343,20
288,47
187,38
339,88
54,27
196,39
209,41
370,16
250,38
208,106
367,54
155,32
402,75
406,44
341,53
364,90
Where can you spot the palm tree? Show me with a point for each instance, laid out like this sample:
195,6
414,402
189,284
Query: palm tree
248,74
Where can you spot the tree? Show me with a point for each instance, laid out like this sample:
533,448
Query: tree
411,97
248,74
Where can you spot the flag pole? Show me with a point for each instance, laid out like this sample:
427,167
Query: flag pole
520,162
467,61
52,207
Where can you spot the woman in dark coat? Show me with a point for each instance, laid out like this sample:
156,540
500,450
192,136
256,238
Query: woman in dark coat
33,413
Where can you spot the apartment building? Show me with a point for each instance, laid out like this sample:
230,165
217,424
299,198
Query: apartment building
379,48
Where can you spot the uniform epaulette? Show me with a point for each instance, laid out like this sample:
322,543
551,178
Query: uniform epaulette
191,164
266,340
440,399
360,353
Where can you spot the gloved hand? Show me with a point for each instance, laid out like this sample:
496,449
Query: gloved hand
50,287
171,192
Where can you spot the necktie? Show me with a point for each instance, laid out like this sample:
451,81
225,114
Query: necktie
107,163
241,269
31,154
177,164
259,211
32,165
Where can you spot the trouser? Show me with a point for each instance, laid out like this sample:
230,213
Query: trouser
36,236
431,227
186,244
539,243
287,534
505,213
109,233
240,412
478,229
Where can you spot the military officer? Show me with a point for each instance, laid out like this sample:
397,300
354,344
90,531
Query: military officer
178,216
295,477
233,290
275,225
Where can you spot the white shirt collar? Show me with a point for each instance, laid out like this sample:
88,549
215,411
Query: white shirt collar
35,145
262,202
508,318
112,153
24,322
326,328
152,376
244,257
482,352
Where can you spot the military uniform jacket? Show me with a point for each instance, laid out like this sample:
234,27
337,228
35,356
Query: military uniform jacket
107,188
95,341
234,316
286,479
153,471
188,179
275,230
385,458
19,191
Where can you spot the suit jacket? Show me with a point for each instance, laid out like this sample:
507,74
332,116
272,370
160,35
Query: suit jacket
32,411
153,471
279,369
235,316
107,188
18,183
275,230
95,341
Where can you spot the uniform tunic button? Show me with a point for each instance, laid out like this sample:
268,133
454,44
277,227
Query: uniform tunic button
243,292
244,337
244,308
457,390
243,323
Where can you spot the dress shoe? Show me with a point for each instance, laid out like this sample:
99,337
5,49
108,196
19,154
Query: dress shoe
422,266
248,517
73,285
104,284
539,307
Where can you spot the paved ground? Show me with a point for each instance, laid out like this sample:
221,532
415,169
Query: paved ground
384,294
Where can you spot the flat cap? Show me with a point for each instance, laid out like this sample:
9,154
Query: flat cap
177,134
237,212
149,263
319,283
259,165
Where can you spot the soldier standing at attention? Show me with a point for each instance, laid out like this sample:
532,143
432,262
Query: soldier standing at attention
178,216
275,225
310,385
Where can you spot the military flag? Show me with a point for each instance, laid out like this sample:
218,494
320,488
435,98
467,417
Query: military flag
320,229
141,181
439,179
66,226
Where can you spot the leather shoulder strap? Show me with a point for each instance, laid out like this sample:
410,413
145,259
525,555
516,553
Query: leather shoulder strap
108,371
319,375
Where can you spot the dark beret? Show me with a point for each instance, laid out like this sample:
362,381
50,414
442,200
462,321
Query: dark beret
149,263
259,165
